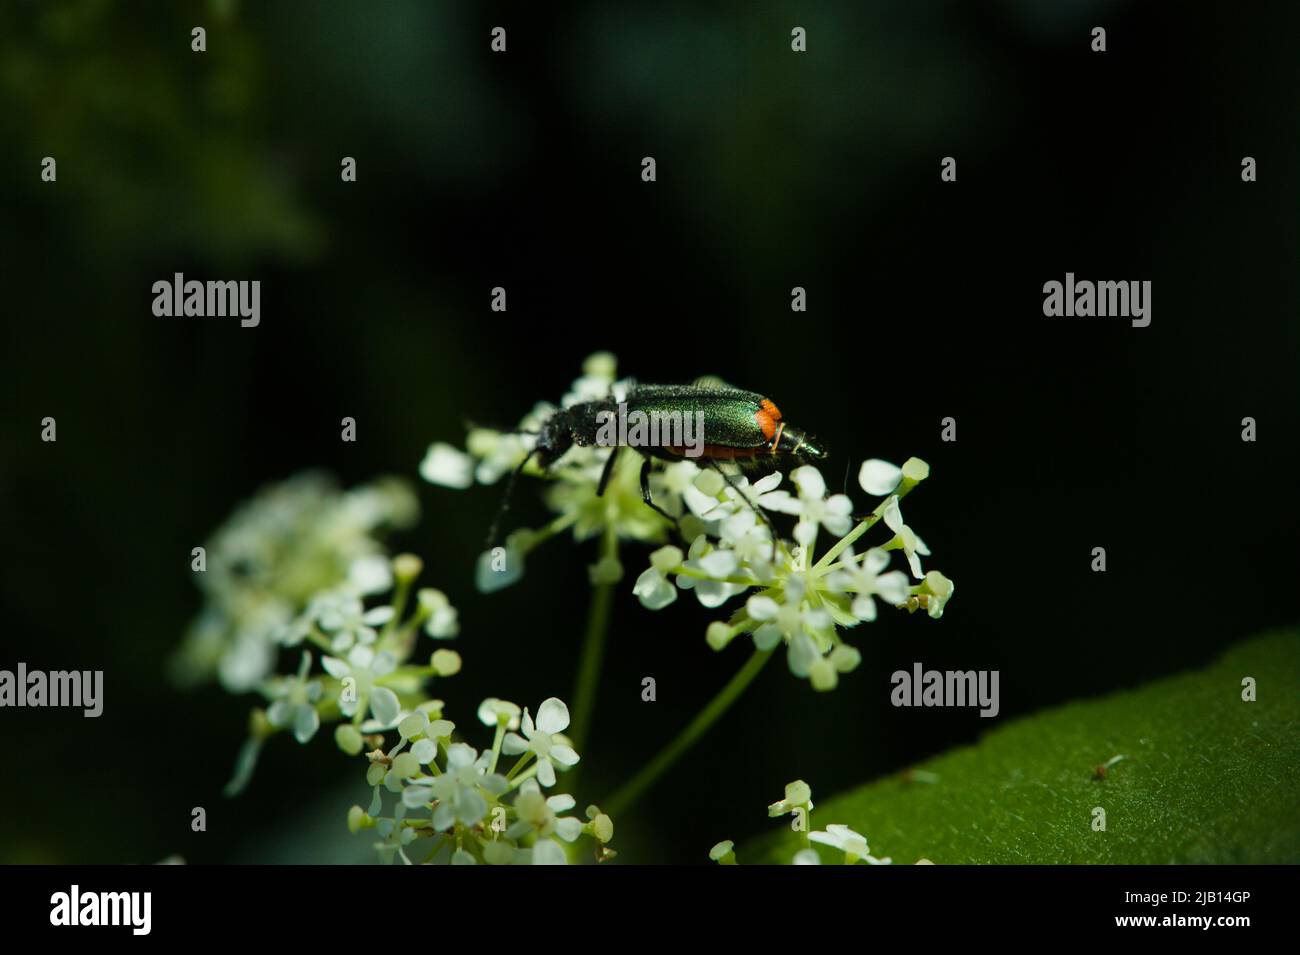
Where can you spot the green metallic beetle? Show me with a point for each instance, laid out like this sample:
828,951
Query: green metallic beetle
739,427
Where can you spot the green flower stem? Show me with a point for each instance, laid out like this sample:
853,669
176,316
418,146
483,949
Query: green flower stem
402,639
867,523
496,746
688,737
523,760
684,571
543,534
528,773
401,591
321,641
403,673
593,649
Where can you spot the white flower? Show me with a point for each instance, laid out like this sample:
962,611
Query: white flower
364,666
815,509
417,723
678,479
941,589
751,541
372,574
716,564
791,597
342,614
654,589
865,579
499,567
797,794
494,712
457,789
540,814
544,740
443,619
740,494
497,454
291,540
548,852
246,659
791,620
904,537
723,852
597,380
879,478
852,844
295,703
394,839
447,466
806,857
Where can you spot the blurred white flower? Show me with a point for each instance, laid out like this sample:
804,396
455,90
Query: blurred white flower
448,466
294,704
443,620
494,712
290,542
362,667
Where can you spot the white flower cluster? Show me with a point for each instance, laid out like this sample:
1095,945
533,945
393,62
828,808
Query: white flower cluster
454,806
798,804
794,599
292,541
448,793
368,684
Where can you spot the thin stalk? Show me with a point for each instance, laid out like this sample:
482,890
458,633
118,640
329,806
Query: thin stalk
593,651
688,737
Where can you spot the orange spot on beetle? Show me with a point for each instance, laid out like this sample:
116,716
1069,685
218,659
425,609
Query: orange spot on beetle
767,416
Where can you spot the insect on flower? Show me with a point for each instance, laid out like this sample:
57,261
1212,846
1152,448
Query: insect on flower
741,428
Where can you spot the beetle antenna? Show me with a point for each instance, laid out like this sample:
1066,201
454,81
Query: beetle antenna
505,500
758,512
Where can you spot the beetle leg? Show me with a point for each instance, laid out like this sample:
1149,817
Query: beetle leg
505,499
607,471
649,499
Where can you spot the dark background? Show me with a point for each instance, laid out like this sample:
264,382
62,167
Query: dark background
522,170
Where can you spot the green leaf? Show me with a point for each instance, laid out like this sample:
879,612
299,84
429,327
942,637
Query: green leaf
1206,778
